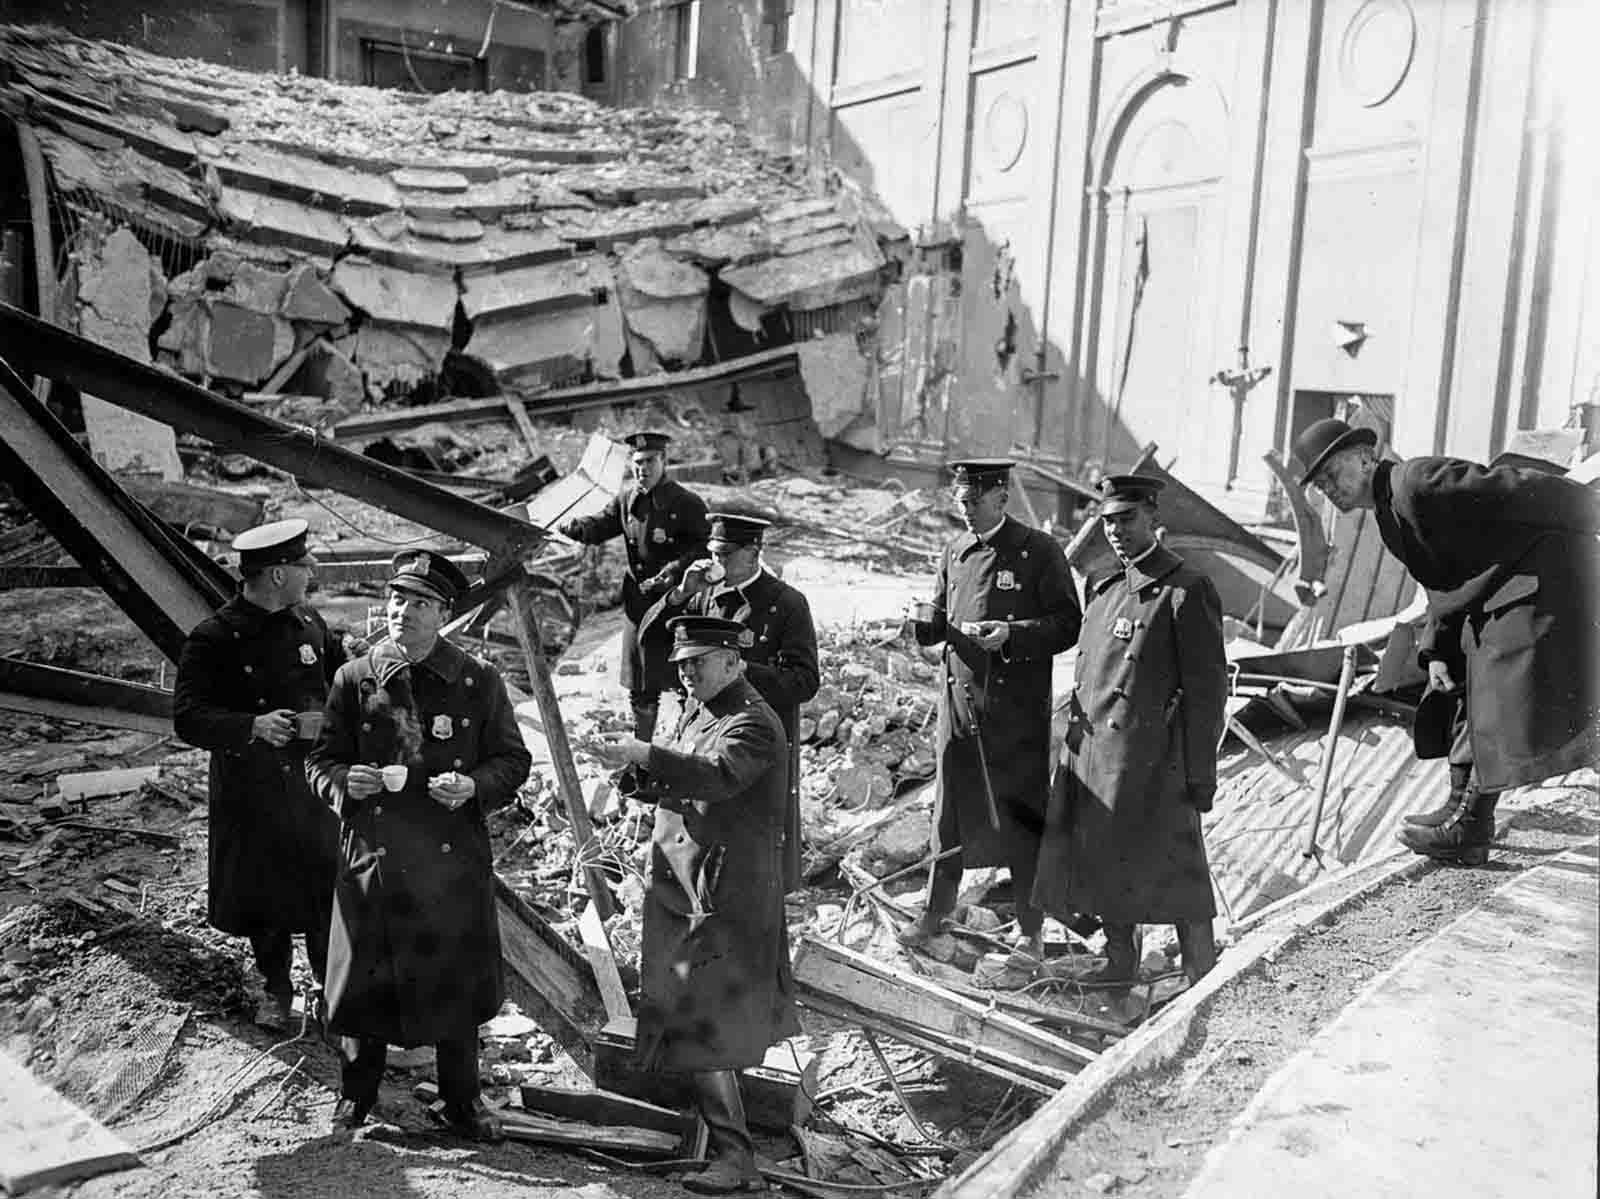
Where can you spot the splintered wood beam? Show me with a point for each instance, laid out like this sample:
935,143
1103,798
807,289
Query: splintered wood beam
852,985
549,978
542,1130
597,947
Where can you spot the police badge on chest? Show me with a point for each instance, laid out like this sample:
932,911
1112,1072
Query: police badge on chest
443,728
1005,580
1122,630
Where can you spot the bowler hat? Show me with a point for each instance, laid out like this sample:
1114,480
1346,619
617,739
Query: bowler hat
278,543
1125,492
693,636
424,572
1321,441
729,530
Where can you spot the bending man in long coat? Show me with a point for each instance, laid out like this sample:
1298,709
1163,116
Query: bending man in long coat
1509,557
414,955
781,662
716,991
1004,606
244,678
663,528
1139,764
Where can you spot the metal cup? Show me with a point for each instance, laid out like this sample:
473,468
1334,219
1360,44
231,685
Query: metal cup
394,777
308,725
716,572
922,610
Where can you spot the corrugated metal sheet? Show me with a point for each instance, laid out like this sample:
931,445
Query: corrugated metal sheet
1256,831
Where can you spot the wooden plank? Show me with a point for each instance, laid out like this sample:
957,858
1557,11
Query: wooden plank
519,415
91,784
605,1107
597,947
549,979
540,1130
45,1139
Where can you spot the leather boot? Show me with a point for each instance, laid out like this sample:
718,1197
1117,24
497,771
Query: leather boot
1122,955
733,1165
1460,781
1464,839
1197,943
942,891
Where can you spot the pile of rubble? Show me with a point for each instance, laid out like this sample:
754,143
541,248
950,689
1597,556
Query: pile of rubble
283,234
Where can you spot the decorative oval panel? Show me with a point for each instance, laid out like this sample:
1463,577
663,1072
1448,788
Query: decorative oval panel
1005,131
1376,51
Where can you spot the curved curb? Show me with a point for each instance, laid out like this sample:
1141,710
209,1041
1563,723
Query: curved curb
1016,1161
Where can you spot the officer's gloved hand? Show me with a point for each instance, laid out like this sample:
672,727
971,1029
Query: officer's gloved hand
1201,796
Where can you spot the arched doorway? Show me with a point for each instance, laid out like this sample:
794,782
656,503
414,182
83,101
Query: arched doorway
1154,306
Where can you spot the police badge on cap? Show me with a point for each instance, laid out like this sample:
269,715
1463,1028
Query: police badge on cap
693,636
423,572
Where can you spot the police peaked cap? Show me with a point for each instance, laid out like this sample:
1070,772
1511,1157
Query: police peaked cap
280,543
981,472
647,441
424,572
693,636
731,529
1124,492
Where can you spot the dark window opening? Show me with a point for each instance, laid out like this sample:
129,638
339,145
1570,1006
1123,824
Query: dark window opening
596,52
685,39
776,16
410,69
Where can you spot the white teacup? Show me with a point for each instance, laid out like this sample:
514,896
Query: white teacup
394,777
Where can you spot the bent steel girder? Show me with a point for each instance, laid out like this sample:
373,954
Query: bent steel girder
37,347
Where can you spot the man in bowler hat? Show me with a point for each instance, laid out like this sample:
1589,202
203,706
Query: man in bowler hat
663,527
419,743
1509,559
251,684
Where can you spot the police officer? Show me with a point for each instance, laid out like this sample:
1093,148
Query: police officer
419,743
251,684
1139,765
1004,606
716,990
663,527
781,662
1509,558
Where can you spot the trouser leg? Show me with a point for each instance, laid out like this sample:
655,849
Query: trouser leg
361,1069
1030,919
274,952
317,948
944,884
1198,944
1460,759
457,1064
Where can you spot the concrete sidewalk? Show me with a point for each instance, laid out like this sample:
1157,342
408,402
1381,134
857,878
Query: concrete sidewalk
1468,1070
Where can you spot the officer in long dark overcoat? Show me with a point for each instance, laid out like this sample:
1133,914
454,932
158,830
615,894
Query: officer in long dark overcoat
716,989
1004,605
1139,764
244,678
414,955
1509,557
663,527
782,660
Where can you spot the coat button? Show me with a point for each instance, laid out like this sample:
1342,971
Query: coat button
471,680
1130,656
456,763
366,726
377,810
261,703
466,721
249,670
383,851
445,848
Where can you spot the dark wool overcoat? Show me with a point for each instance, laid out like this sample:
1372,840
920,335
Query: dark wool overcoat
715,986
1123,841
994,708
782,663
414,952
273,850
1511,556
663,530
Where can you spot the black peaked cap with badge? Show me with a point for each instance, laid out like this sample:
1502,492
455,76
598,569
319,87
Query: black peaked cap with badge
424,572
1125,492
648,441
279,543
732,530
694,636
981,473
